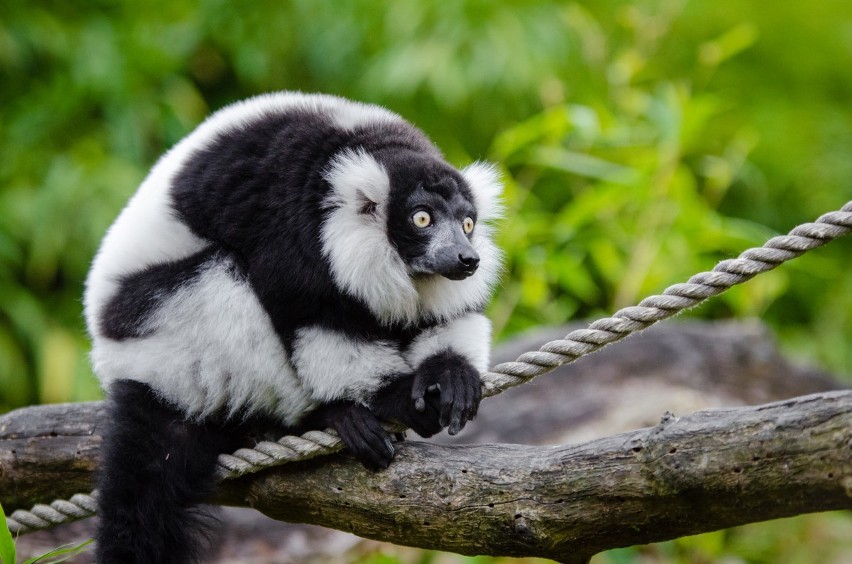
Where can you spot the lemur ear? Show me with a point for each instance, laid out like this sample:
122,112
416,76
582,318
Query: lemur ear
484,181
358,182
366,206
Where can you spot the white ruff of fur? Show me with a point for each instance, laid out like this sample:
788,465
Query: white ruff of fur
363,262
468,335
333,366
212,349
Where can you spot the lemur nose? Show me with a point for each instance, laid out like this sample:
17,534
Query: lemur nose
469,259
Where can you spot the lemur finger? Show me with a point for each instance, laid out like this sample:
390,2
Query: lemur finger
358,447
424,422
428,421
389,446
474,396
433,399
455,427
376,435
460,406
468,403
378,448
373,457
448,398
418,391
477,396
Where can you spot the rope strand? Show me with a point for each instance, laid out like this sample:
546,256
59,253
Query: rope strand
550,356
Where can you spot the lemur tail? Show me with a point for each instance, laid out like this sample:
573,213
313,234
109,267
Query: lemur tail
155,471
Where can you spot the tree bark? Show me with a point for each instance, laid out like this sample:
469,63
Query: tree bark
702,472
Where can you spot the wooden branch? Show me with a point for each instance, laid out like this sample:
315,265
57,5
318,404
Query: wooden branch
709,470
48,452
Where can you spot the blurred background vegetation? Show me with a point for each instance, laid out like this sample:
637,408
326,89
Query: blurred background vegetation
641,142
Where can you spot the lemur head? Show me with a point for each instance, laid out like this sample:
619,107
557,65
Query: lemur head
431,216
410,220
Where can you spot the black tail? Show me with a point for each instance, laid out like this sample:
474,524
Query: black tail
156,468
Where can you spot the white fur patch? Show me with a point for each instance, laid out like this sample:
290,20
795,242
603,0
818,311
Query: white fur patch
334,366
349,115
345,114
363,262
469,336
484,181
354,174
213,348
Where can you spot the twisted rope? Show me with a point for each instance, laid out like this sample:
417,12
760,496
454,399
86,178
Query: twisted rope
672,301
59,512
550,356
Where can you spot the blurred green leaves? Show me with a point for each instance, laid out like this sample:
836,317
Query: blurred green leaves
631,182
641,142
619,202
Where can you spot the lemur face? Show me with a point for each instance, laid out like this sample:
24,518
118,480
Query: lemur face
431,217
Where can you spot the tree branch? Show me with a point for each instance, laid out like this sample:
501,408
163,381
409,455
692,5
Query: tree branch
709,470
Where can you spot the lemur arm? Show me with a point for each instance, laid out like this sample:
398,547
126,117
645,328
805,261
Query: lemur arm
450,357
356,383
333,365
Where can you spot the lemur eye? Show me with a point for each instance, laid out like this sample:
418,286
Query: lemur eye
467,225
422,219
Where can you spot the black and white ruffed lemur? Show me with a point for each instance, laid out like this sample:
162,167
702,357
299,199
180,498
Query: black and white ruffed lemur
297,259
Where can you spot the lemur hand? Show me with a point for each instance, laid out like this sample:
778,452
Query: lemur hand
393,403
458,384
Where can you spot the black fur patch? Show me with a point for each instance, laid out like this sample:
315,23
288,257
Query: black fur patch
141,293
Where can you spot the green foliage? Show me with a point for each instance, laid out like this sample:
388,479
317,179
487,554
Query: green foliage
60,554
641,142
617,206
802,540
656,167
7,544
